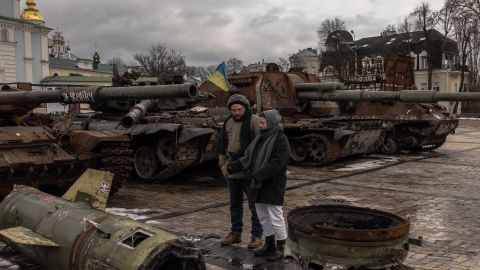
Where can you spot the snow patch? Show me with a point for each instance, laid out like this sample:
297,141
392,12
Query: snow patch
469,118
135,214
4,264
154,222
366,165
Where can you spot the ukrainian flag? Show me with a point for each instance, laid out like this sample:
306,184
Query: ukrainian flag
219,77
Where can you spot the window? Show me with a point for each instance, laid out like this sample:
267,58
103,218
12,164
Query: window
4,35
423,63
423,86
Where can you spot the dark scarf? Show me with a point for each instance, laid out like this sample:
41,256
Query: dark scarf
260,149
245,135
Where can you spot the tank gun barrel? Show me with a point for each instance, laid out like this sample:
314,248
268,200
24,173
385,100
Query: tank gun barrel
426,96
98,94
324,86
136,113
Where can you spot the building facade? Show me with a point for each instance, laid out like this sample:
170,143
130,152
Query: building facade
23,43
308,59
363,60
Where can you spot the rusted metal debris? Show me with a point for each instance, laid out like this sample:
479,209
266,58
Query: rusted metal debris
346,236
73,232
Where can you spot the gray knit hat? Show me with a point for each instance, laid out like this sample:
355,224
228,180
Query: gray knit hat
238,99
273,117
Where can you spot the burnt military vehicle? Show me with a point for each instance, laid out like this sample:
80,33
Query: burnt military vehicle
325,122
33,153
167,135
416,125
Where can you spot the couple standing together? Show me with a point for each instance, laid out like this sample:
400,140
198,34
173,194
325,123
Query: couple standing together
253,156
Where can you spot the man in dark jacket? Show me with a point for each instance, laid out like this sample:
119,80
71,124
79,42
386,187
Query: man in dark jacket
267,158
237,133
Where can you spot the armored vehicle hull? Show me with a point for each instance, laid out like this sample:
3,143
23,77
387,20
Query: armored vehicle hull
163,144
35,152
325,122
317,133
165,136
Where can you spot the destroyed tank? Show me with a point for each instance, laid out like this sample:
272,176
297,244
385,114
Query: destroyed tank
167,135
318,117
35,154
416,125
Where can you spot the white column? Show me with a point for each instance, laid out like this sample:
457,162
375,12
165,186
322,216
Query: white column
16,9
28,57
45,67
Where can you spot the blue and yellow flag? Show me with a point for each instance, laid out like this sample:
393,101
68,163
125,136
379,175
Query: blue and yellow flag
219,77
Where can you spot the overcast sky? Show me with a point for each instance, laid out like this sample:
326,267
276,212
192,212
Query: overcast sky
211,31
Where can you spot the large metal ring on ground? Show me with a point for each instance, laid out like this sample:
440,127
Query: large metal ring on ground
347,236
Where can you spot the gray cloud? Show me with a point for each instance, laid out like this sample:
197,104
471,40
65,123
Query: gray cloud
211,31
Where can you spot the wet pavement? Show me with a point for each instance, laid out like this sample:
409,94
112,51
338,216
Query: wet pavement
439,191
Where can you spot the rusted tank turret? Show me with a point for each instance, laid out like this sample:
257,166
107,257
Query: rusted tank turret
34,153
325,122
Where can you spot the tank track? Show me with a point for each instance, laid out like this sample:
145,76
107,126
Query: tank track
117,158
185,156
430,147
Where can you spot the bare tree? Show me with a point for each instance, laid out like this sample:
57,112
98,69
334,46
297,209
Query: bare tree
390,28
198,71
474,61
446,19
160,59
329,25
426,20
211,69
115,61
234,65
470,5
405,27
284,64
466,28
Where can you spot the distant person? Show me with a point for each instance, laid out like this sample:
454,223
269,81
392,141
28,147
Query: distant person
238,131
267,158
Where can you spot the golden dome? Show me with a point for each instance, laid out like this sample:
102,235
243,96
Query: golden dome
31,13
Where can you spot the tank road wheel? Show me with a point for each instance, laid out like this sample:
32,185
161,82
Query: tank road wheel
390,146
299,150
323,150
312,150
146,162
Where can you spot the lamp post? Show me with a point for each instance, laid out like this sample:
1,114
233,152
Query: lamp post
354,52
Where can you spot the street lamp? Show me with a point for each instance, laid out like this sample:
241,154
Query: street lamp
354,52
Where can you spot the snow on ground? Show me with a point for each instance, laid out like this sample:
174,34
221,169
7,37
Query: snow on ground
135,214
469,118
366,165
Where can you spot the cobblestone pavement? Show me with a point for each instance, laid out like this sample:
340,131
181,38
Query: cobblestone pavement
438,191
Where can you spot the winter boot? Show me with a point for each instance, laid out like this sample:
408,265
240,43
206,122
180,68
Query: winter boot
267,248
277,254
232,238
